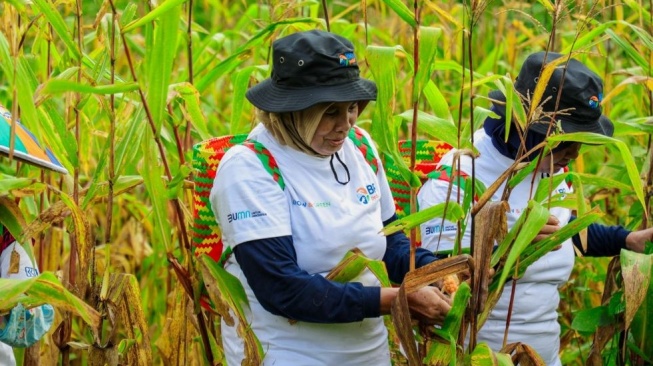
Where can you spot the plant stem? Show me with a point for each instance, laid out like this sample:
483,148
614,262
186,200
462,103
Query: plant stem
181,222
326,15
413,131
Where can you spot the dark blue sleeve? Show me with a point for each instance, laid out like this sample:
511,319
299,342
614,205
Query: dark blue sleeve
602,240
284,289
397,254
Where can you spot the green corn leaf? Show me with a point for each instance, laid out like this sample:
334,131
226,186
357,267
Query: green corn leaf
641,11
129,13
522,174
240,81
58,24
428,46
18,4
177,182
438,128
62,142
244,52
9,183
547,4
528,225
379,270
626,156
44,289
442,353
163,54
453,214
190,95
152,173
402,11
587,321
124,154
127,149
437,102
161,11
482,356
534,252
55,86
11,217
353,264
385,127
633,53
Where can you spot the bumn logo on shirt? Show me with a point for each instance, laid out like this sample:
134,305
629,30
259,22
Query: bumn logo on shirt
367,194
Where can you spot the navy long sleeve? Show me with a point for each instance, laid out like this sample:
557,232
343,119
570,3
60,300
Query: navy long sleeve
602,240
284,289
397,255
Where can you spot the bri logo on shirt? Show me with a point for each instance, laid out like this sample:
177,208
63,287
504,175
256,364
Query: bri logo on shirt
244,215
367,194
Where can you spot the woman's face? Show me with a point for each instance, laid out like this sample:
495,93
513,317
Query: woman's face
334,126
559,159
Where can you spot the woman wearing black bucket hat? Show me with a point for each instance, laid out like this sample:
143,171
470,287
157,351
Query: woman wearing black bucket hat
534,312
287,237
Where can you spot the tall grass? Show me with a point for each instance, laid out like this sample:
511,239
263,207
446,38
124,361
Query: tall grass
120,90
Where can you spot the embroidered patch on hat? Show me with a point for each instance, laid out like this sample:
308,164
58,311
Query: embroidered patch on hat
595,101
347,59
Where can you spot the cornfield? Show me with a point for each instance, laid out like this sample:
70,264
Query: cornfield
121,90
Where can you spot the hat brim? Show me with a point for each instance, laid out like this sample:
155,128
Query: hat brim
269,97
601,126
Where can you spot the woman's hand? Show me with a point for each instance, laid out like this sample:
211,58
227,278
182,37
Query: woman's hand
552,225
429,305
636,240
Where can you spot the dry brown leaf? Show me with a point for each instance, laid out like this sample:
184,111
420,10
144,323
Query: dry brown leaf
124,296
636,281
523,354
403,325
604,334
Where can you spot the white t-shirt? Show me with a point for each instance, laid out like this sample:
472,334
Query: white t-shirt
326,219
534,318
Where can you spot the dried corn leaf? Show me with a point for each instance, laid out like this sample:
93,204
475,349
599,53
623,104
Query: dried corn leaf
224,288
523,355
542,83
635,270
84,243
402,321
434,271
353,264
45,288
413,281
604,334
491,227
124,294
54,214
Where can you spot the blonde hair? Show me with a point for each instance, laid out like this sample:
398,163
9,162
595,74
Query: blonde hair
294,129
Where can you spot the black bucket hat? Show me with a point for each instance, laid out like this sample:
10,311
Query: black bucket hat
310,68
582,90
